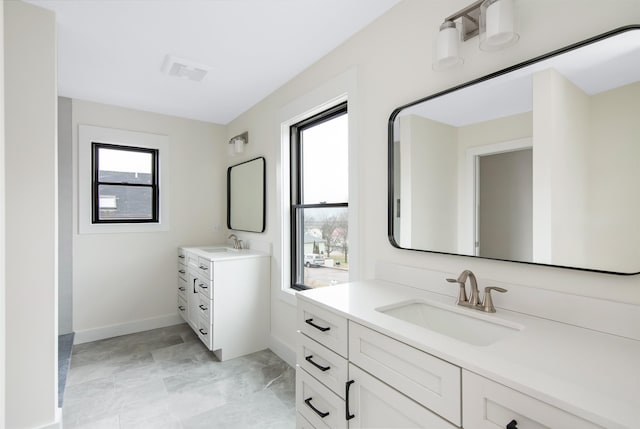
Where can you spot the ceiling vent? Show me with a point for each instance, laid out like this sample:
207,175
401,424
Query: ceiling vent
174,66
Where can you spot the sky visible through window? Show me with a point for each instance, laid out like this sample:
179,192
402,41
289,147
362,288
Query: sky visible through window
326,162
124,161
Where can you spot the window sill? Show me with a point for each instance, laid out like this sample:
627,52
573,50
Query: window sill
288,295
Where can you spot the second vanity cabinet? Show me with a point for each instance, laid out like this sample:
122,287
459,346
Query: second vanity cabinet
224,297
351,376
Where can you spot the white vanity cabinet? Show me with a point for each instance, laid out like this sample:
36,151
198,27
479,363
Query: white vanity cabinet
226,297
345,378
352,376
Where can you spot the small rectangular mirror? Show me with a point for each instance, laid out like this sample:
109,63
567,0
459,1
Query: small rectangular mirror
246,196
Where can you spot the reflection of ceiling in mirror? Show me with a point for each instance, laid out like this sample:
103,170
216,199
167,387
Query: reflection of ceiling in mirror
594,68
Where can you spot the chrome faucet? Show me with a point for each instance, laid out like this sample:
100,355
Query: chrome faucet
474,299
237,244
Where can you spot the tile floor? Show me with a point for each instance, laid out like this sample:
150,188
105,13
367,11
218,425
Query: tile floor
166,378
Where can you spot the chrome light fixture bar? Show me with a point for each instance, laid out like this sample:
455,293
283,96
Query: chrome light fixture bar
492,20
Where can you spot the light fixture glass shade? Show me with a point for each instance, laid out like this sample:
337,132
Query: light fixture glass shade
497,28
446,49
238,145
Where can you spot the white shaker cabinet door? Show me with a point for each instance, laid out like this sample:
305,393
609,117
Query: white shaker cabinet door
373,404
193,300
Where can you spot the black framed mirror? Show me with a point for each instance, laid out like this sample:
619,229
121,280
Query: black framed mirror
246,196
538,163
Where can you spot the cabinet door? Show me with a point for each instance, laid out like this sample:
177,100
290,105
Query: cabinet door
373,404
193,300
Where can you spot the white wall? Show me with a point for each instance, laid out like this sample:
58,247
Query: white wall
31,215
432,162
2,228
614,142
125,282
560,137
393,61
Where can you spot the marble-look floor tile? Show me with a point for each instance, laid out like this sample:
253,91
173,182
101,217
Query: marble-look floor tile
166,378
260,410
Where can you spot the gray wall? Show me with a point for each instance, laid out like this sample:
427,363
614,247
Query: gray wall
506,206
65,218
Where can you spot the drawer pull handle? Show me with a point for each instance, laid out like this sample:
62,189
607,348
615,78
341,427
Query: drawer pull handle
194,285
181,308
182,288
181,256
348,415
315,410
202,267
512,425
203,332
181,271
320,328
202,307
203,286
320,367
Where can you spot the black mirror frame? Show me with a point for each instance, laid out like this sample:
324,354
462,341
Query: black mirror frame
264,195
390,144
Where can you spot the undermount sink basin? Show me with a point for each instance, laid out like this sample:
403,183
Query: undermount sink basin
217,249
458,323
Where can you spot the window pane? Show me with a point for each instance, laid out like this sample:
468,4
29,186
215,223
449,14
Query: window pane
324,256
125,202
125,166
325,160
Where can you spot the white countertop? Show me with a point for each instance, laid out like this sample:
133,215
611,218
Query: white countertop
211,252
588,373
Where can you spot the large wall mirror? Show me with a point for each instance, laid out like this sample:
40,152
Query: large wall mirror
538,163
246,196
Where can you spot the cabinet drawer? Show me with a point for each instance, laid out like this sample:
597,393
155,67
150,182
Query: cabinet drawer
204,333
182,271
182,308
205,267
205,310
182,258
426,379
319,405
328,367
182,287
327,328
302,423
490,405
205,287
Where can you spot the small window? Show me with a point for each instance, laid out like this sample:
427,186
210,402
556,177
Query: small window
125,184
320,199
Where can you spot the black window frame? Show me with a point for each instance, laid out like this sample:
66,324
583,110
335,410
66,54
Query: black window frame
297,185
96,183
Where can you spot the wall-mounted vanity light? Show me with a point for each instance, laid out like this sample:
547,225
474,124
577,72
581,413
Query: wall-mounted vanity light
237,143
493,20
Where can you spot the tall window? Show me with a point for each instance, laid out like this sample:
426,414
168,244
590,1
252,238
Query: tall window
125,184
320,199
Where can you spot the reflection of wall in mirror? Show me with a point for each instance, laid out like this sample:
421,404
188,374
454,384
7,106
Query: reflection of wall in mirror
428,159
614,177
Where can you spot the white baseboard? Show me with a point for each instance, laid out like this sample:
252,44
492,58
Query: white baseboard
110,331
283,351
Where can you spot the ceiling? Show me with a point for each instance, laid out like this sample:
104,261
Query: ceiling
112,51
